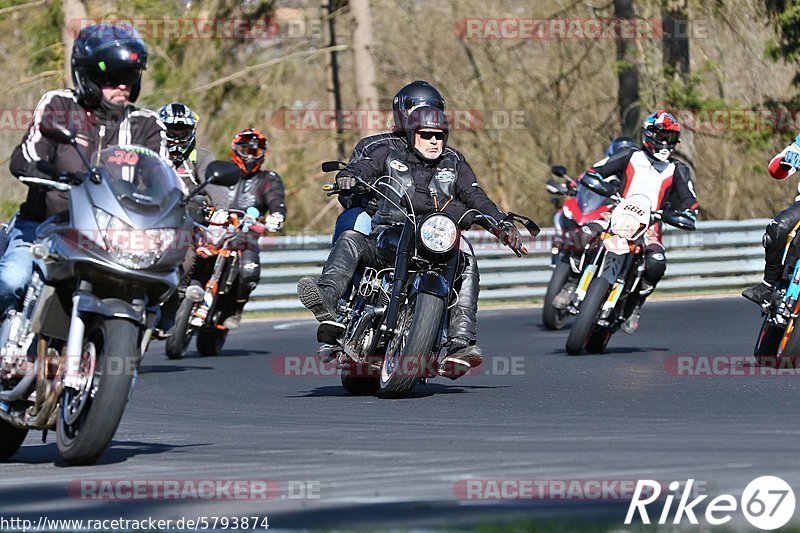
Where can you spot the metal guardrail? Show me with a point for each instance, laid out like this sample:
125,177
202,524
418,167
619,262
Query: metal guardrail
718,255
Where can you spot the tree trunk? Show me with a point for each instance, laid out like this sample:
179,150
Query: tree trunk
364,63
74,18
628,76
329,7
675,14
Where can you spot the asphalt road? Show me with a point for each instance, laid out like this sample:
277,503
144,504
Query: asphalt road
534,413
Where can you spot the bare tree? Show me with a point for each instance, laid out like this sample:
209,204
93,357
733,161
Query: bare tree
74,15
363,61
675,16
628,75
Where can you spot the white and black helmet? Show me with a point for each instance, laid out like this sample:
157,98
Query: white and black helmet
181,124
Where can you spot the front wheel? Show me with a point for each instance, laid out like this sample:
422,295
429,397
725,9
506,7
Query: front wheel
360,379
211,340
584,324
554,319
407,354
11,438
178,342
88,417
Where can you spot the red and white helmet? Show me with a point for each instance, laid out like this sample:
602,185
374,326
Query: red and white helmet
660,134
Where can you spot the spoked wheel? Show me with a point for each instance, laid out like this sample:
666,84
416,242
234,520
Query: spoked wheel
89,414
409,348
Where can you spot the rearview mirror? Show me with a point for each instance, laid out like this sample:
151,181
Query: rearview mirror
223,173
58,133
558,170
333,166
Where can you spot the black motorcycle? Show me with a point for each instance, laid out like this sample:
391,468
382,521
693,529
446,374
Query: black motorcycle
392,326
69,353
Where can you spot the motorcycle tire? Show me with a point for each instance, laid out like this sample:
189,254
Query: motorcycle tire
11,438
359,380
177,343
768,343
598,340
584,324
554,319
210,341
83,440
425,316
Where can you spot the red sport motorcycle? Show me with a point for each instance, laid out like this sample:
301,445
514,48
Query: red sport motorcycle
577,206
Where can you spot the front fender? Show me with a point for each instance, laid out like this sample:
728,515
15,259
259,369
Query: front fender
110,308
431,283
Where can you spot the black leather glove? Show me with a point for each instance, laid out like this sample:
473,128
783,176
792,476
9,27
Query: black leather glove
513,237
346,178
196,208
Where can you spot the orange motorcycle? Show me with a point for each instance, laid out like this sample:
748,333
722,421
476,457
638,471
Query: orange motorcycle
210,297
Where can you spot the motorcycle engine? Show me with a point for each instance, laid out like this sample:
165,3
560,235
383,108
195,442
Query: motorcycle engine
15,340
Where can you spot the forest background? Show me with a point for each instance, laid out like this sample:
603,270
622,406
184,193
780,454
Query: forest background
528,84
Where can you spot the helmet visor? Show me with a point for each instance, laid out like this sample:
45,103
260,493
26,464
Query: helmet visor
115,78
664,136
249,150
180,133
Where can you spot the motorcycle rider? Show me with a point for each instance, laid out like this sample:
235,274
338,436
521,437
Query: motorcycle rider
577,242
107,64
432,165
360,207
262,189
780,167
190,162
666,181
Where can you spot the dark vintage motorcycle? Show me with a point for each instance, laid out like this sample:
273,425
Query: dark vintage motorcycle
393,325
210,297
577,206
69,352
614,274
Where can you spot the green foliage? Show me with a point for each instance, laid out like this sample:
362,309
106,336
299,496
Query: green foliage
44,31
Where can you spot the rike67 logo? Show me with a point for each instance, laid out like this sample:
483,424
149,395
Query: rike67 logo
767,503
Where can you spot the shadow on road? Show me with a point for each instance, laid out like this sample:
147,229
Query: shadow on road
168,369
118,452
614,351
421,391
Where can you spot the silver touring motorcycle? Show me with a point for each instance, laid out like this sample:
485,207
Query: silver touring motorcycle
70,351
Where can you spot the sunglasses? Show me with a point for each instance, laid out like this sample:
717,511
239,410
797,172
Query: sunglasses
428,135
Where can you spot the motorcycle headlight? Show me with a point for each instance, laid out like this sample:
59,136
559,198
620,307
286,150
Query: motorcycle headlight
133,248
214,235
438,233
626,226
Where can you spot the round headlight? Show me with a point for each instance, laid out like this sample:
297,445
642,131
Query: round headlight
438,233
626,226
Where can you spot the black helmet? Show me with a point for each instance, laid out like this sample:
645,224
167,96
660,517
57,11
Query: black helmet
107,54
181,124
619,144
426,117
412,95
